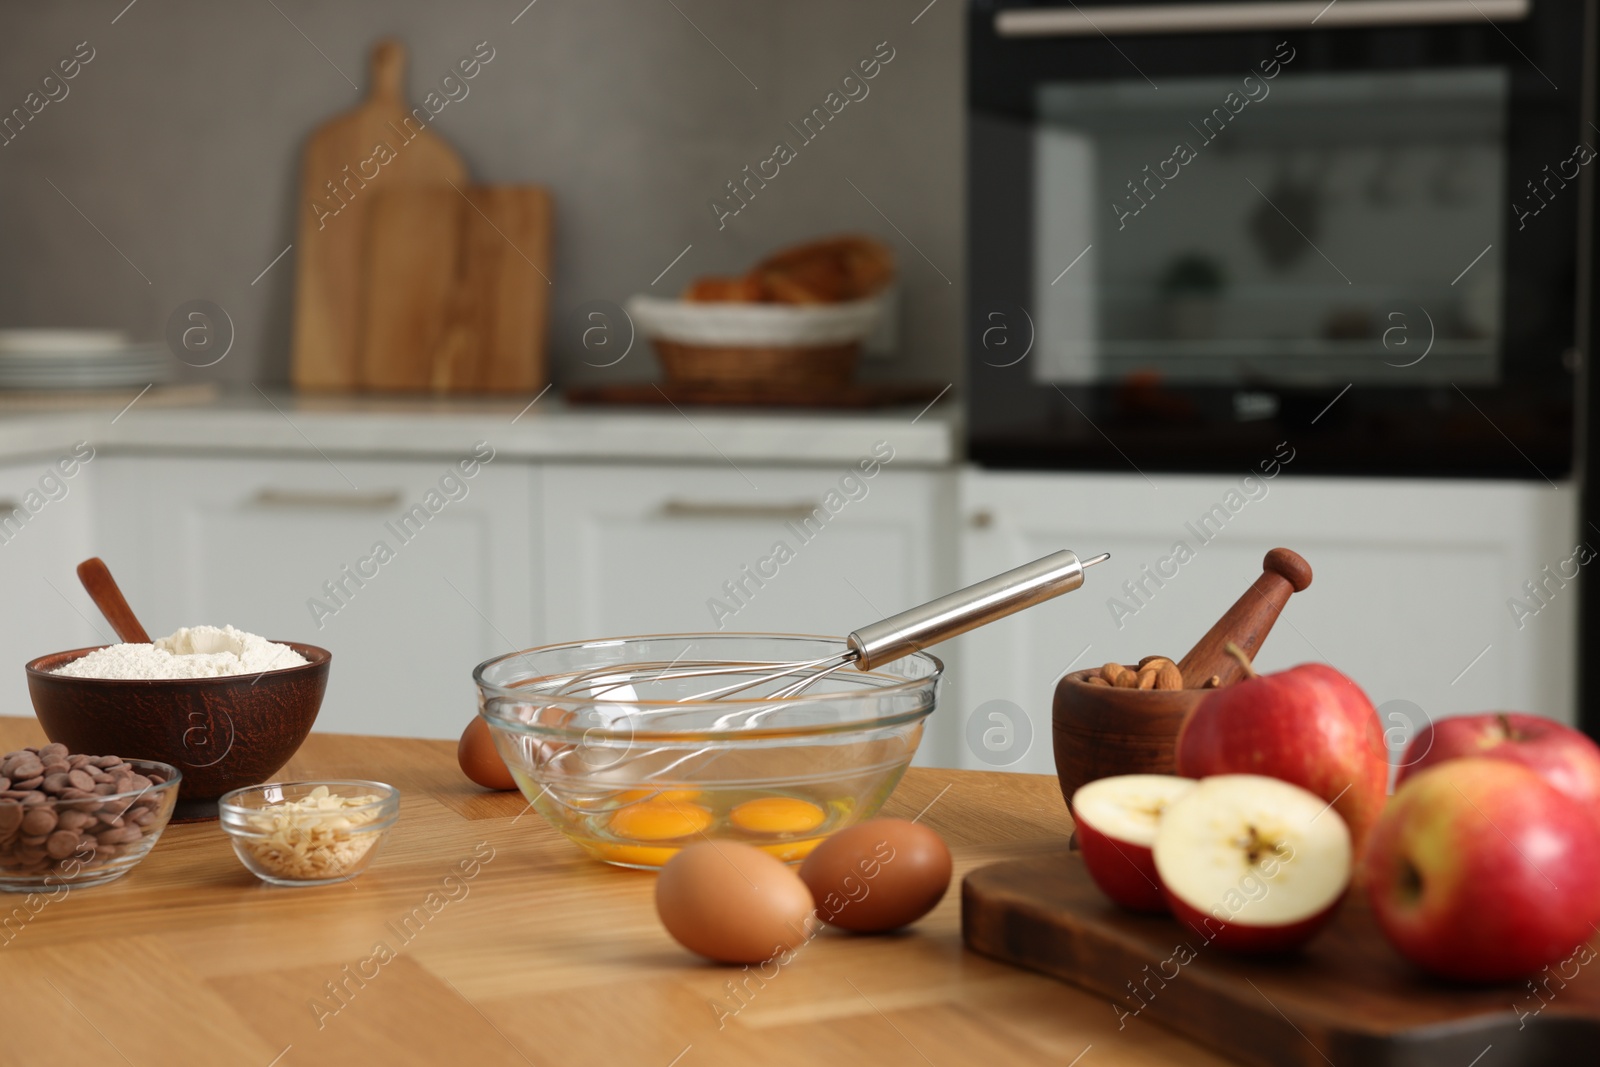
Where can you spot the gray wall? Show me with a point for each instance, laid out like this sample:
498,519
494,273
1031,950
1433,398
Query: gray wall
180,142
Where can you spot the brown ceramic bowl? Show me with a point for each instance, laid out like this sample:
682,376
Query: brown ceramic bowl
222,733
1099,731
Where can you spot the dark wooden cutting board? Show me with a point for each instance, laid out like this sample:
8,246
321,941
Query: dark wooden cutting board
1346,1000
852,395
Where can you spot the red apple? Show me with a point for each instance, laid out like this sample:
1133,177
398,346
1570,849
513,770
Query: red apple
1480,870
1252,864
1309,725
1561,755
1117,819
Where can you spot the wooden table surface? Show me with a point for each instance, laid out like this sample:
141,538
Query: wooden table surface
543,956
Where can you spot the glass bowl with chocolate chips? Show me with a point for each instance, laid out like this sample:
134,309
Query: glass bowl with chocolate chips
73,820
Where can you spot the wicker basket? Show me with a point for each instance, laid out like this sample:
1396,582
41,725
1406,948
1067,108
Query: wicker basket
760,346
764,366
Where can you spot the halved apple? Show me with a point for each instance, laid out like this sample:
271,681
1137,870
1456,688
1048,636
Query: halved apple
1117,819
1252,864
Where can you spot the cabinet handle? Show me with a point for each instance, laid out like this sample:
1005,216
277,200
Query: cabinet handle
306,498
1282,15
696,509
7,506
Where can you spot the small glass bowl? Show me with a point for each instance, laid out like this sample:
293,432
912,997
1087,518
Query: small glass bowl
114,833
305,846
619,746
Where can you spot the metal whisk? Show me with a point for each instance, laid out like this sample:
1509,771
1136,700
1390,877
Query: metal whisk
871,646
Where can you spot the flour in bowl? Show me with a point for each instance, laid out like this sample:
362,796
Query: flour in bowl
191,652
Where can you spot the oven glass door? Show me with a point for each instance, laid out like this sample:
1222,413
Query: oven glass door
1210,229
1264,229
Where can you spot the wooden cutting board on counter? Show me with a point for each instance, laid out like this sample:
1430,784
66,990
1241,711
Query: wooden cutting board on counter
341,173
457,289
1347,999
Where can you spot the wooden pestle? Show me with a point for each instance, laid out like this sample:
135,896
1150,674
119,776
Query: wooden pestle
1248,622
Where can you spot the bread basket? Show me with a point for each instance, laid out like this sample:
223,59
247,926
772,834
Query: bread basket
744,344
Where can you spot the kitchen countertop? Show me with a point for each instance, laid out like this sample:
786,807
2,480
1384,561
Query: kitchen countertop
542,957
250,420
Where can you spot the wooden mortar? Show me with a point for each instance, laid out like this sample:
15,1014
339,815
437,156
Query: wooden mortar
1099,731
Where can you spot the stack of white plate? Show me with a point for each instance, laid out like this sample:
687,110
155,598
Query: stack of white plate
79,359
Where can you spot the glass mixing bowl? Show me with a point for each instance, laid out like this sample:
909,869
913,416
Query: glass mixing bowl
626,757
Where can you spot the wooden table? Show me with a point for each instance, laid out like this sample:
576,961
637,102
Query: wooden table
542,957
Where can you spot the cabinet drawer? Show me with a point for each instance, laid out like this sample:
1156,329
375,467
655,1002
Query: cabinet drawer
675,549
1409,596
409,573
44,534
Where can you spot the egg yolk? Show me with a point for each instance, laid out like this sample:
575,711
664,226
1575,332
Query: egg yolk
659,820
777,815
633,855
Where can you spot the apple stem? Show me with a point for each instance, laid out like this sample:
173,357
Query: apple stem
1506,728
1244,661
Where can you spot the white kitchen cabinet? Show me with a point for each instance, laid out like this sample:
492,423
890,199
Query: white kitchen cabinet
288,548
46,608
1409,597
641,549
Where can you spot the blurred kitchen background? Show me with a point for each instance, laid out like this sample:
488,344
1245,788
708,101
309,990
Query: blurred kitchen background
1351,321
181,141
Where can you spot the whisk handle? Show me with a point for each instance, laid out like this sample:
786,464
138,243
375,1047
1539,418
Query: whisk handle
965,609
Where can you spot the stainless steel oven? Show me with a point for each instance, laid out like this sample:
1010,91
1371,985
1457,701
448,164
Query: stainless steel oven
1197,229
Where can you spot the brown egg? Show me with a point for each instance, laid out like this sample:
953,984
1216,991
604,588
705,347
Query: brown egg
878,875
732,903
479,761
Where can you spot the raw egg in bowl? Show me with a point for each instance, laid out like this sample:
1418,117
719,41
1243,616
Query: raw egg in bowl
618,744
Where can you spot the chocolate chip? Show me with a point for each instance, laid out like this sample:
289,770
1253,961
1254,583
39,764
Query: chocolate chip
60,844
39,819
28,766
81,780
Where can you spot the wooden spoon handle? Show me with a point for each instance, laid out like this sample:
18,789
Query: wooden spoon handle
1248,622
96,578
